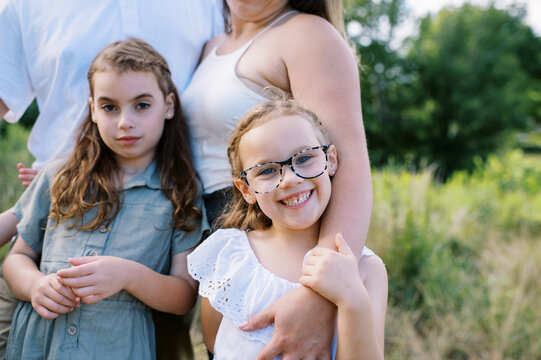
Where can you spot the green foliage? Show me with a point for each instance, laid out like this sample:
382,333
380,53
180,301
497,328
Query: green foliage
469,82
462,258
12,151
27,120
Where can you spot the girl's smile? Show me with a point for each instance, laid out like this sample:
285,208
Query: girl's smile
296,200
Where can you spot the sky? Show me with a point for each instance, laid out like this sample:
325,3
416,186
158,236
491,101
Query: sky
420,8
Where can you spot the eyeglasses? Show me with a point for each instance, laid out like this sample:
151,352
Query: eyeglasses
307,164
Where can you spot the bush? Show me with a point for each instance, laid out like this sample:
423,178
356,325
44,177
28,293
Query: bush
463,258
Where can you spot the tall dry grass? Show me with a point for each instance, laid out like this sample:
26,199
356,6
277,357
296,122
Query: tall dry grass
463,259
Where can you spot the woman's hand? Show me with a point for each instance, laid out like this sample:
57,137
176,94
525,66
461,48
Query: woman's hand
94,278
303,326
49,297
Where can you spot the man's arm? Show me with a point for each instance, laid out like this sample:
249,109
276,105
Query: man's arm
3,109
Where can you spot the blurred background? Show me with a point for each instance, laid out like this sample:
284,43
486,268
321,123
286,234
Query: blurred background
451,95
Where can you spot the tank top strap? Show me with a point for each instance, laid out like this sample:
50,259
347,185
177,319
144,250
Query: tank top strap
240,51
274,22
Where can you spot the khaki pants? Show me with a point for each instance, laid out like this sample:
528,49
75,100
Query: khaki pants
8,303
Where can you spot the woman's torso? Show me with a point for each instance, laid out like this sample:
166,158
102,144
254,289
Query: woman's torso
222,89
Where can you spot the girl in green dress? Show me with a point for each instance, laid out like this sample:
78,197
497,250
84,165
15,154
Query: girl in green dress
104,235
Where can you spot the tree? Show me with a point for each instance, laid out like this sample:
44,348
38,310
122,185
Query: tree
470,79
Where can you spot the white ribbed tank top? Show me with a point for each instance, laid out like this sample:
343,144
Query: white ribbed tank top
213,103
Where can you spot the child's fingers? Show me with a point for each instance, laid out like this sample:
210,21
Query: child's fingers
92,299
306,280
60,298
63,289
76,271
85,292
319,251
309,269
44,312
26,177
83,260
54,306
77,282
342,246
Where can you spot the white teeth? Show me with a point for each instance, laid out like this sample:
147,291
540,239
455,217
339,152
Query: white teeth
297,200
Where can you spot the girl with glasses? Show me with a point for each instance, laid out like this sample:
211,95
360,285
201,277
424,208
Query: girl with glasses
282,162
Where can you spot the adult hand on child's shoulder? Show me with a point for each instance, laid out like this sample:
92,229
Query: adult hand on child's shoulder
303,326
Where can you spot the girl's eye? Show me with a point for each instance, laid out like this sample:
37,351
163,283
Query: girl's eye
302,159
266,171
108,108
142,106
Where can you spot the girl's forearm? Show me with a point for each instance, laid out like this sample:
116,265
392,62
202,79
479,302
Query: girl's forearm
167,293
356,333
8,226
21,273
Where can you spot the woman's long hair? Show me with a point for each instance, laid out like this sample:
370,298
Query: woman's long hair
90,179
330,10
238,213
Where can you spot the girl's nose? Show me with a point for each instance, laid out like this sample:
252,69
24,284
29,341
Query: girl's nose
125,121
289,177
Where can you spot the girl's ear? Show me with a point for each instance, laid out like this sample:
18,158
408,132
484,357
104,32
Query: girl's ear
332,159
92,112
245,191
169,106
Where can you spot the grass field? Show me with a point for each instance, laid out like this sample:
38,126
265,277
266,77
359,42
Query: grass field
463,257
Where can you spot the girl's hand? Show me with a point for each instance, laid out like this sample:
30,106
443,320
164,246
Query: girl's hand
49,297
94,278
334,274
26,175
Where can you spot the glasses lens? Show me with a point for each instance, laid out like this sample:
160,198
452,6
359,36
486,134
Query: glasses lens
309,163
264,177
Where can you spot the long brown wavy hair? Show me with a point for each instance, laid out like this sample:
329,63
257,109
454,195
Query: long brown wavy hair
330,10
90,179
238,213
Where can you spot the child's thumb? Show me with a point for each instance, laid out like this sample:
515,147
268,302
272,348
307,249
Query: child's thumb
341,245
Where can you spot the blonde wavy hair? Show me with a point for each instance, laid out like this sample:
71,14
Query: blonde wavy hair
238,213
90,178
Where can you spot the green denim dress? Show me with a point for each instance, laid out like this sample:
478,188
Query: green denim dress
121,326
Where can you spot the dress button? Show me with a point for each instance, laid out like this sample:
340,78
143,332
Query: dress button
72,330
93,253
102,229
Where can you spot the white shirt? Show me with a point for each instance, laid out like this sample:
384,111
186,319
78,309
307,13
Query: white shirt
46,48
238,286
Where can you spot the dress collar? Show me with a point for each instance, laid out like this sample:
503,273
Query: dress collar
149,177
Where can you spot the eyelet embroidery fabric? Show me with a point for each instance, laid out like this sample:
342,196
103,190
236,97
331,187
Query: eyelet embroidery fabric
234,281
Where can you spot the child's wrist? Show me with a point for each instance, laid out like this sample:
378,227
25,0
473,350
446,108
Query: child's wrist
353,299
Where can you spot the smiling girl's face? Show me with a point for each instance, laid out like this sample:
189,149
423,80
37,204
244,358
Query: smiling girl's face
297,203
